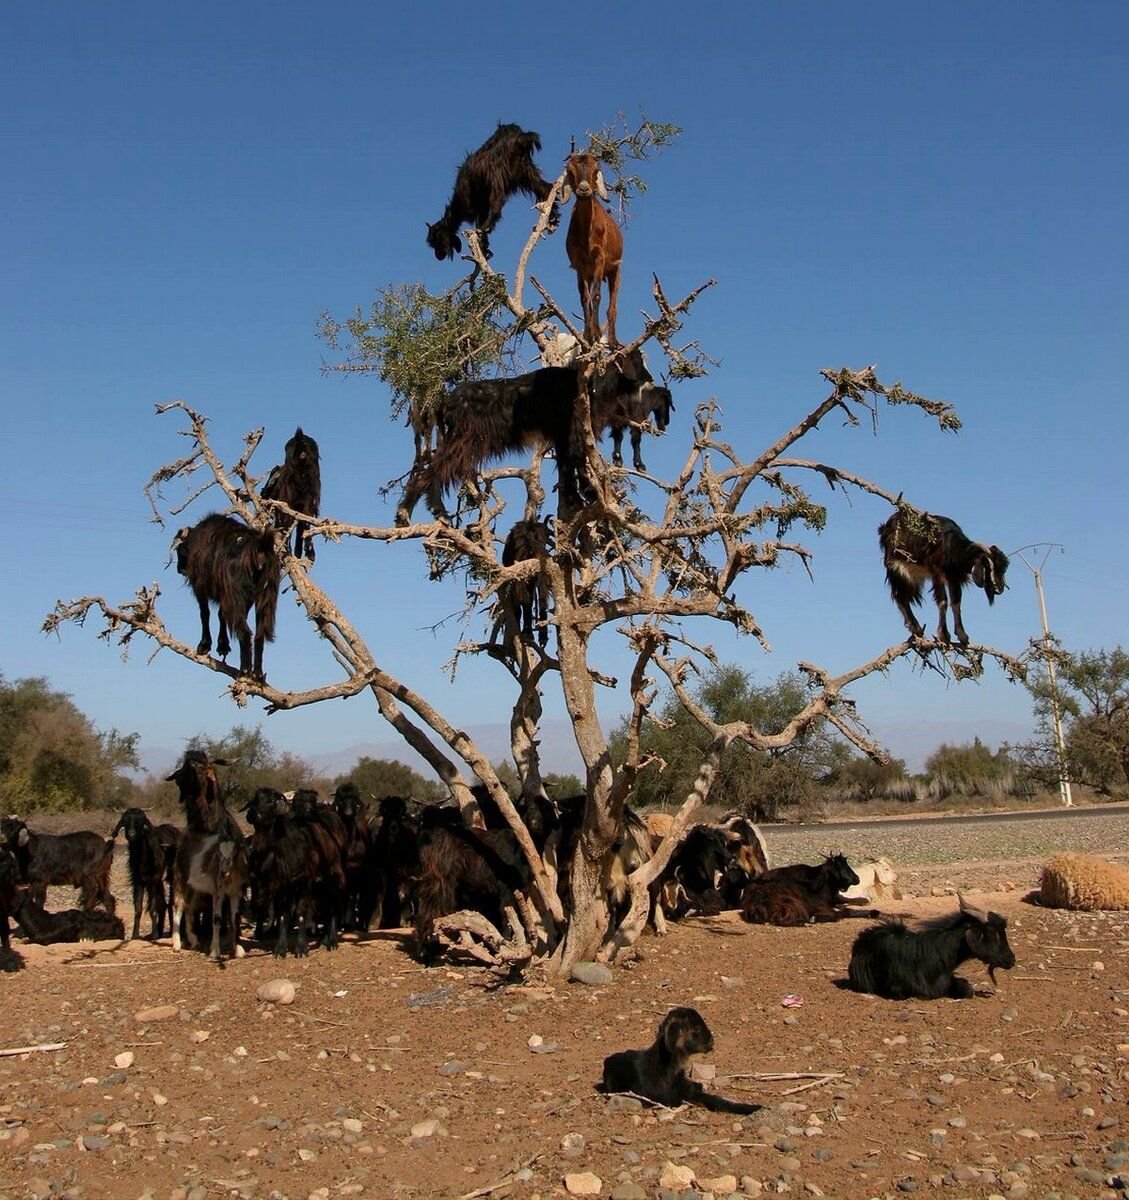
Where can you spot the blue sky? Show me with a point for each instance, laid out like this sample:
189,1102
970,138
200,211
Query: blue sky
940,191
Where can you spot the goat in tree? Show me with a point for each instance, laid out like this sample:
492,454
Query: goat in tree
594,243
919,547
297,482
234,567
488,177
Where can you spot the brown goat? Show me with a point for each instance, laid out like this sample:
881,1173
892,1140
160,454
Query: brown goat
594,243
918,546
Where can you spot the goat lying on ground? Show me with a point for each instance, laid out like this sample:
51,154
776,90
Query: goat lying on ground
892,961
659,1072
919,547
711,867
594,243
147,869
297,482
235,568
82,860
488,177
797,894
482,420
70,925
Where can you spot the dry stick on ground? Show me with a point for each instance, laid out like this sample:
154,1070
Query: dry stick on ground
32,1049
503,1182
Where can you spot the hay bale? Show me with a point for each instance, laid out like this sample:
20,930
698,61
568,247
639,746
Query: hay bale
1085,883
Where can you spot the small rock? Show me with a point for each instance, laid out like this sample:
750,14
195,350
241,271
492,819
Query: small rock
123,1060
449,1069
306,1155
592,973
198,1035
352,1125
723,1184
163,1012
94,1141
426,1129
627,1191
583,1183
277,991
572,1144
675,1177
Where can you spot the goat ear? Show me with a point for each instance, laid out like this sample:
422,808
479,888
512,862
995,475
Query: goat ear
23,837
601,188
980,570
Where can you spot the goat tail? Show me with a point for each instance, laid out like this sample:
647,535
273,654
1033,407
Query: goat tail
266,602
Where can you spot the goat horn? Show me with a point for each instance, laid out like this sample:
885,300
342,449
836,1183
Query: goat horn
971,910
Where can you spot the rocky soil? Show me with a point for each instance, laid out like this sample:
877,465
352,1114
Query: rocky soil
168,1077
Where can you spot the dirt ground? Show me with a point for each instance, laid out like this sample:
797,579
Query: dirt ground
388,1079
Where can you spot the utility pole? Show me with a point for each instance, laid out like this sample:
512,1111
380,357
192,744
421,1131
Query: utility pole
1056,712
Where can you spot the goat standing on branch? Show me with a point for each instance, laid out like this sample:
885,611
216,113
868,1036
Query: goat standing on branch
594,243
918,546
526,601
501,166
234,567
297,482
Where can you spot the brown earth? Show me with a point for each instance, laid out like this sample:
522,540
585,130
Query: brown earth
388,1079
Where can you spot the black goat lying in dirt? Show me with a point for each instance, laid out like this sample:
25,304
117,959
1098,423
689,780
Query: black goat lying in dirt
70,925
659,1072
82,859
897,963
797,894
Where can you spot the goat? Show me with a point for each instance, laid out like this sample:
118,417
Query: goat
594,243
712,866
394,861
169,836
82,860
70,925
211,859
9,902
482,420
797,894
360,895
329,844
659,1074
216,867
462,868
525,602
284,859
297,482
147,868
235,568
488,177
918,546
896,963
651,401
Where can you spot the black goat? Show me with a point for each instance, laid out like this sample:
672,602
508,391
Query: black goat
659,1074
145,857
9,902
482,420
82,860
329,844
284,859
394,862
488,177
711,867
211,859
797,894
463,868
525,602
70,925
360,894
297,482
652,401
235,568
892,961
918,546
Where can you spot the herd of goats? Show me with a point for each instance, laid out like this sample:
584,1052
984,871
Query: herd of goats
305,871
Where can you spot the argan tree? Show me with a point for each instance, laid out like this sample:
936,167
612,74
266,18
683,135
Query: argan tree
654,561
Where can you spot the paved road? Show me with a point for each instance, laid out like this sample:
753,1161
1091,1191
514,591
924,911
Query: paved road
926,841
